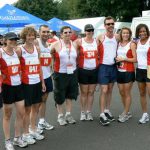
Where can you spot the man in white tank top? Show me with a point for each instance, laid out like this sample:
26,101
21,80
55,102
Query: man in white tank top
45,59
65,75
107,69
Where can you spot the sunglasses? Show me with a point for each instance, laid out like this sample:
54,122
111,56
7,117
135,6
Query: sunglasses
108,24
45,31
90,30
67,32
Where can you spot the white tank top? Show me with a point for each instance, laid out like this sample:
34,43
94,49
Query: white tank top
62,58
30,65
88,57
10,67
45,58
142,51
109,51
122,52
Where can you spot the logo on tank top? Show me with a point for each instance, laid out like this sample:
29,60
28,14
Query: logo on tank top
33,69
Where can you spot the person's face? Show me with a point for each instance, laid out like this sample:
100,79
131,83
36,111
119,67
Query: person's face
109,25
143,33
66,34
11,43
44,33
89,32
30,37
125,35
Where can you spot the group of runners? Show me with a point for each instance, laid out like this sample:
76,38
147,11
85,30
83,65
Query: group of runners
26,76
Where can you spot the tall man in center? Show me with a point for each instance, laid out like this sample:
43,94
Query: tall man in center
107,69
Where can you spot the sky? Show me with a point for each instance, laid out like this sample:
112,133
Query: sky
3,2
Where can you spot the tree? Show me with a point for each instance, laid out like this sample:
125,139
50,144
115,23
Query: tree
72,9
44,9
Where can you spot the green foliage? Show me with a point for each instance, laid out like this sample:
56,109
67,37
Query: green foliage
44,9
121,10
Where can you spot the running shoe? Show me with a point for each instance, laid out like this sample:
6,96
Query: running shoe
61,120
123,118
103,120
19,142
45,125
109,116
144,118
38,130
28,138
83,116
70,119
89,116
9,145
36,135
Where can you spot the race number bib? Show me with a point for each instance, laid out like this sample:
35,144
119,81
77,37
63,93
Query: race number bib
69,69
45,59
13,67
90,54
32,67
14,70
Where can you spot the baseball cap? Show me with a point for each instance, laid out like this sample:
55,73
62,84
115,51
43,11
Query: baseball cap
11,35
88,27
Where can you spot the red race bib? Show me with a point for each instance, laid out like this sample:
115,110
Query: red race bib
14,70
32,69
90,54
45,59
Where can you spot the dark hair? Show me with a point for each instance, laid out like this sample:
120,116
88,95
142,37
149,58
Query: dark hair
26,31
125,28
43,25
64,27
138,28
108,18
53,32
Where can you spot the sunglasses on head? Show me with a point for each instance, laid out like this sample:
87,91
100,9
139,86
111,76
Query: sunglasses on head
108,24
67,32
90,30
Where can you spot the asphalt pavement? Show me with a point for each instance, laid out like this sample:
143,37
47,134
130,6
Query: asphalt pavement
91,135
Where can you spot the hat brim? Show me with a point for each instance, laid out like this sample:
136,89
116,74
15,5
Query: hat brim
13,38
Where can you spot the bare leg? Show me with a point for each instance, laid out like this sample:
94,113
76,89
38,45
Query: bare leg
83,97
127,91
7,112
109,95
20,111
42,109
103,96
34,115
68,105
90,98
142,90
26,120
122,94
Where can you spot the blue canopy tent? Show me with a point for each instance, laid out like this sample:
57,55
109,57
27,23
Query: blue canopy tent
11,16
55,24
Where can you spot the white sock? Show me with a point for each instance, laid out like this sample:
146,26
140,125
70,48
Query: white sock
145,113
101,114
68,113
106,110
88,111
41,120
60,115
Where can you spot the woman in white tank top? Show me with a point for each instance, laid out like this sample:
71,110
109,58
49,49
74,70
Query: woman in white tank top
142,71
126,56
